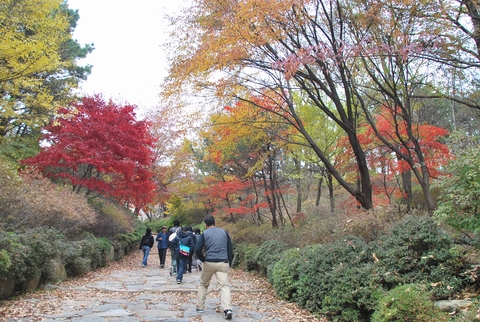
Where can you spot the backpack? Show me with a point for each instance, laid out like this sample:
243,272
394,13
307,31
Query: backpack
184,249
173,235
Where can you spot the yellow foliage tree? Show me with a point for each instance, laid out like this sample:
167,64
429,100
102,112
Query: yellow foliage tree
32,33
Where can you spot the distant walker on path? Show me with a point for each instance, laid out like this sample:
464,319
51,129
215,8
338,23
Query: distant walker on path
146,244
173,230
214,248
162,245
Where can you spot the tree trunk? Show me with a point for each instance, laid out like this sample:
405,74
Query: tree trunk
319,192
308,184
363,194
271,203
330,191
232,218
472,6
407,188
258,220
298,185
424,180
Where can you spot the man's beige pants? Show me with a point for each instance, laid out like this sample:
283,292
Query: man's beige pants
221,271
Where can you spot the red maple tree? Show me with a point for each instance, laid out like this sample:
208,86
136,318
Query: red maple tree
396,152
99,148
436,154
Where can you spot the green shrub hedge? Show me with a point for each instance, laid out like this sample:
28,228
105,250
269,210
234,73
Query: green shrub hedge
267,255
337,280
81,255
408,303
346,280
28,254
286,273
417,250
244,255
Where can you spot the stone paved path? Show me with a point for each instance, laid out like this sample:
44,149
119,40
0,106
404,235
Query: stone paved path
136,294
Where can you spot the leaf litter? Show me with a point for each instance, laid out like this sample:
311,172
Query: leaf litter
38,305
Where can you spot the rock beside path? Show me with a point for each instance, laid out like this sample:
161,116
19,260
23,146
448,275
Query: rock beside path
126,292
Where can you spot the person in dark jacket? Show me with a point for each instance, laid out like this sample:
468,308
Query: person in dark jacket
173,230
162,245
195,261
146,244
182,239
214,248
190,257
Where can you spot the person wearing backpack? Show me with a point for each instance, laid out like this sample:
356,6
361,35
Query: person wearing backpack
172,233
146,244
183,245
190,257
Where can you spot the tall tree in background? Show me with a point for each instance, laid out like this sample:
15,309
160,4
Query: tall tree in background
388,164
327,134
38,70
396,42
349,58
248,144
264,37
100,149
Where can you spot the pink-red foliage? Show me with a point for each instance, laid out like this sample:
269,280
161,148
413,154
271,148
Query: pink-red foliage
385,164
435,153
99,146
230,197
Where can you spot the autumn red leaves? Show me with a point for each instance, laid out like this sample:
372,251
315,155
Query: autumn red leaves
99,147
368,71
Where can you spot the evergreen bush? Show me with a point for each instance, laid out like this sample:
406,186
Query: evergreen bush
81,255
286,273
268,254
124,243
15,253
5,262
345,280
28,254
408,303
338,280
459,205
72,258
417,251
244,256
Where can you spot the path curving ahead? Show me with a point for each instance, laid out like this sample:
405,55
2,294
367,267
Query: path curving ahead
126,292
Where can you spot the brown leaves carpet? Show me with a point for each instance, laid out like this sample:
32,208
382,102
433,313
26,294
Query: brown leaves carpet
35,306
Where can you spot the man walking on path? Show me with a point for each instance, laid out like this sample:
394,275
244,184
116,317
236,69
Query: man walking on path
162,245
214,248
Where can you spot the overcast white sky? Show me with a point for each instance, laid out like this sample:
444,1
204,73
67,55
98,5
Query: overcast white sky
128,61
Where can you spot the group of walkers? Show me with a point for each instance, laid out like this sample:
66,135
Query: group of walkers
211,252
182,249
